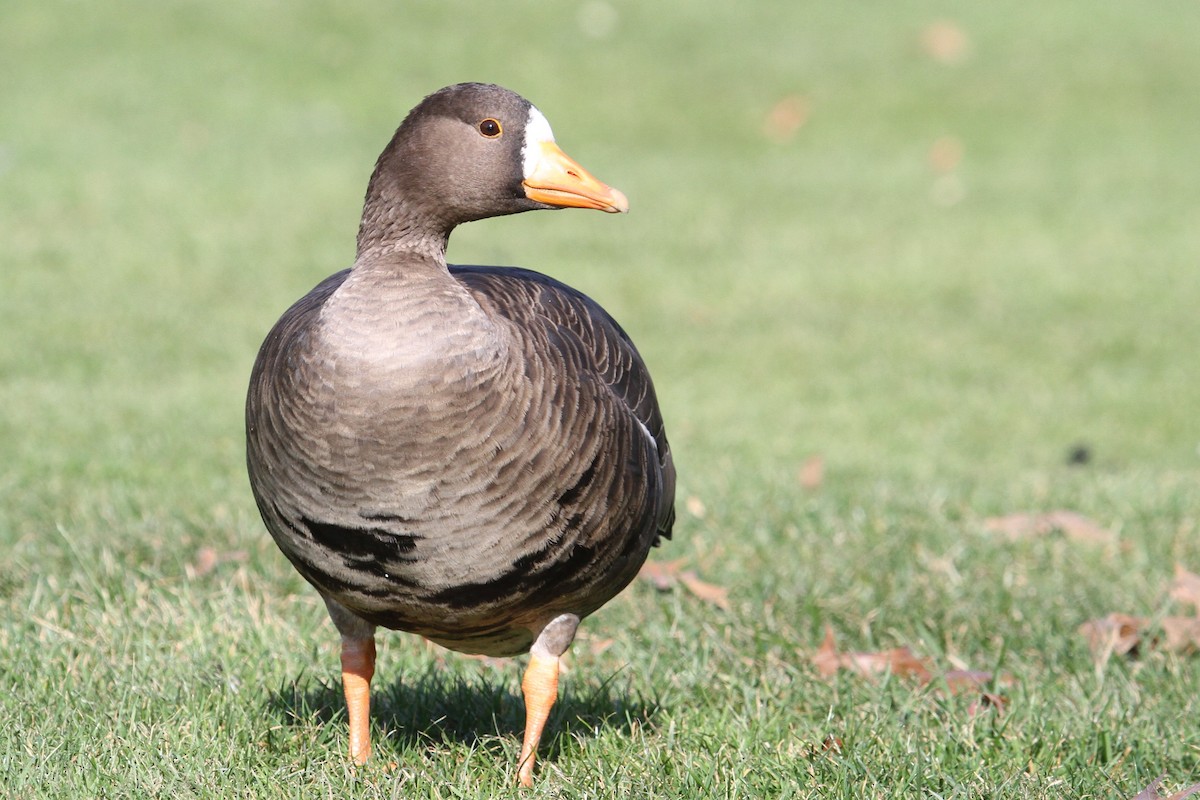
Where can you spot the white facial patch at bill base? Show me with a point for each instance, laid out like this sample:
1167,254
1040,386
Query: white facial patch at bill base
537,133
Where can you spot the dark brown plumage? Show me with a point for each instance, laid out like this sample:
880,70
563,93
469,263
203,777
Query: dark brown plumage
472,454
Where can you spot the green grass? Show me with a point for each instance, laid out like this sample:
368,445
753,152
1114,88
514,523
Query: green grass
174,174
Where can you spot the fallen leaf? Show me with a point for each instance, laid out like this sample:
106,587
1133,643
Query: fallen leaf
708,592
985,701
1188,792
812,473
830,745
665,575
963,681
786,118
826,659
1186,587
598,646
207,559
1121,634
945,42
903,662
1116,634
899,661
1079,528
1181,634
661,574
1014,526
959,680
1151,791
945,154
1074,526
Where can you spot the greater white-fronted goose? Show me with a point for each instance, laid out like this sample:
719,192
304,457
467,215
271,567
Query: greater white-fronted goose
472,454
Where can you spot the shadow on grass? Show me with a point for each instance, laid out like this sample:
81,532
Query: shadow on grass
439,707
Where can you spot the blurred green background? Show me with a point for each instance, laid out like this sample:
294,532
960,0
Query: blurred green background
937,245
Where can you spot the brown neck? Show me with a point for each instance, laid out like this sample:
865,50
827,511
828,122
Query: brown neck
392,225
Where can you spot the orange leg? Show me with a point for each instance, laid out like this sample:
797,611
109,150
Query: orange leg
540,686
358,666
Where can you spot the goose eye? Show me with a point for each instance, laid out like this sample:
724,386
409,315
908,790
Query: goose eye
490,128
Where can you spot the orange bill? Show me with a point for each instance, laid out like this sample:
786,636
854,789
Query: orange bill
558,180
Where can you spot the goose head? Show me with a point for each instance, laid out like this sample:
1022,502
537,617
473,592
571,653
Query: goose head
468,152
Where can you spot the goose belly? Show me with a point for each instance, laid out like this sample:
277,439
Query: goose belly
471,515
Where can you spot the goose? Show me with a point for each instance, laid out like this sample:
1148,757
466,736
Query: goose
472,454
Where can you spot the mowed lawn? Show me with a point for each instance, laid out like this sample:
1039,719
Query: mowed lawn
899,269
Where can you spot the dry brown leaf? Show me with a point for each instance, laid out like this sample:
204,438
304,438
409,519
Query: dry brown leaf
1116,634
1074,526
207,559
945,42
945,154
826,659
903,662
812,473
665,575
1079,528
1121,634
598,646
960,680
985,701
1186,588
963,681
1188,792
1181,634
785,118
830,745
661,574
1014,526
899,661
1151,791
708,592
